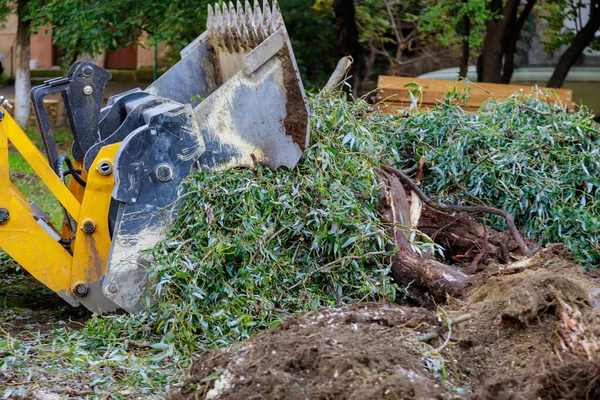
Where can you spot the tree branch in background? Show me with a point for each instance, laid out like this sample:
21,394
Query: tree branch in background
577,46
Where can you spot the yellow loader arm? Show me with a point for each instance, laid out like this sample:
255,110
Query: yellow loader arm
71,265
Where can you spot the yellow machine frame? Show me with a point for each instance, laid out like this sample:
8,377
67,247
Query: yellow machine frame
70,266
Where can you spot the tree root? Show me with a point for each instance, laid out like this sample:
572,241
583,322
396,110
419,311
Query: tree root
481,208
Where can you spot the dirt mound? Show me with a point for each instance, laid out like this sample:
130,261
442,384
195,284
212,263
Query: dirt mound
518,313
533,331
362,351
527,330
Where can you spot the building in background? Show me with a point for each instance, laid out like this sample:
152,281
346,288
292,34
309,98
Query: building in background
45,56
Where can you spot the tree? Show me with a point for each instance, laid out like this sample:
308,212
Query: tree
347,36
578,37
99,26
503,31
395,35
22,75
92,27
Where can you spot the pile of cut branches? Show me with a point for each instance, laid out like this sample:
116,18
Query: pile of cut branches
253,246
522,155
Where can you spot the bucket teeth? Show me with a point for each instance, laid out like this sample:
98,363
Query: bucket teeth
218,19
210,19
242,27
266,15
277,18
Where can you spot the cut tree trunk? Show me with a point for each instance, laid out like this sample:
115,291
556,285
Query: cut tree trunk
22,75
463,238
467,243
410,268
577,46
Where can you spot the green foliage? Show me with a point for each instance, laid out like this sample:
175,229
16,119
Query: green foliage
252,246
94,26
394,25
557,34
6,7
542,166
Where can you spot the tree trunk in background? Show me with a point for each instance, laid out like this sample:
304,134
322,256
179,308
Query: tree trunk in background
347,42
489,68
464,62
577,46
22,75
514,34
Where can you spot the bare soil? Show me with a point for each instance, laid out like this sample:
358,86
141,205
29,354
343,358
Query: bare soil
532,333
27,305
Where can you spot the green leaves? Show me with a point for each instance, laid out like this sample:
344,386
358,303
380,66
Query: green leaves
563,20
252,246
541,166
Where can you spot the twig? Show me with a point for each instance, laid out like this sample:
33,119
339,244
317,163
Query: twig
464,189
139,345
485,209
339,74
272,309
449,322
331,283
339,260
528,108
273,236
411,170
483,159
420,165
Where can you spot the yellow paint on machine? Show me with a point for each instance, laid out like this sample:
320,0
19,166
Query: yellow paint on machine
28,243
33,243
91,250
40,165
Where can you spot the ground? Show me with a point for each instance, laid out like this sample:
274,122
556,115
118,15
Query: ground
512,332
527,330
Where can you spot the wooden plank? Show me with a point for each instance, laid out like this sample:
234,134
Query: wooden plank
393,90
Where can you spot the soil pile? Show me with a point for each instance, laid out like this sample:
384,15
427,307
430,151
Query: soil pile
529,330
531,322
361,351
